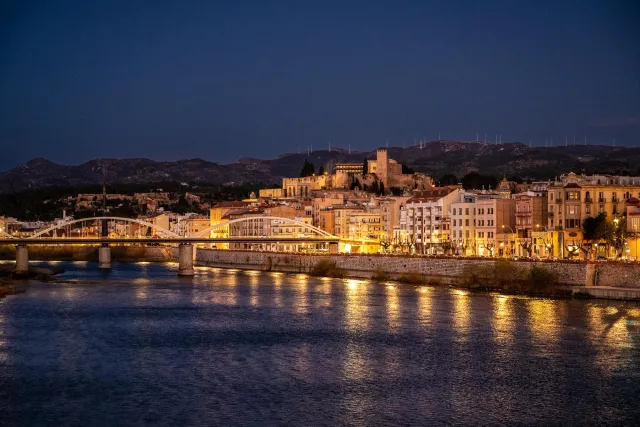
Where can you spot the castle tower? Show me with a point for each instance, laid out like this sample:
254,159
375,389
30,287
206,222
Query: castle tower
382,166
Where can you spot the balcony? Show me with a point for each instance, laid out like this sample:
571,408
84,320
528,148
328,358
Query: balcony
601,199
588,199
523,213
558,200
550,214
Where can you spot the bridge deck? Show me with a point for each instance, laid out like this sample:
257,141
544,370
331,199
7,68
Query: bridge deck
212,240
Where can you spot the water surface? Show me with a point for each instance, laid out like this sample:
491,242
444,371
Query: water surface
140,346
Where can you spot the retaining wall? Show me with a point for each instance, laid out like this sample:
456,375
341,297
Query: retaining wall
446,269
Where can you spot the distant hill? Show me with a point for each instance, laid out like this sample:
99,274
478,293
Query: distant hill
435,158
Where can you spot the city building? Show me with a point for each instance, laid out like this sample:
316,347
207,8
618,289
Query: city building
463,225
531,217
425,220
495,225
573,198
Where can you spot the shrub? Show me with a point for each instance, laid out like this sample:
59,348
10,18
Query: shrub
540,277
412,278
380,275
327,268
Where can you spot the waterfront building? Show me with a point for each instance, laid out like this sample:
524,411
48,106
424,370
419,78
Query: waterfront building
531,217
495,225
324,202
425,220
389,215
364,231
463,225
573,198
632,206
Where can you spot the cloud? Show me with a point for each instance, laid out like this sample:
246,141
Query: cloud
623,121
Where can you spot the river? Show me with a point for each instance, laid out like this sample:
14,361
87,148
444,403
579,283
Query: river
139,346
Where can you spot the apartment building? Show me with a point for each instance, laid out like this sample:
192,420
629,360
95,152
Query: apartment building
573,198
463,225
425,219
495,225
531,220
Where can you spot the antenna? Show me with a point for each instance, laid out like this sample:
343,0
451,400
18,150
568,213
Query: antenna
387,143
500,138
477,137
485,138
439,136
551,142
496,138
585,140
574,140
529,143
329,146
349,148
614,142
566,141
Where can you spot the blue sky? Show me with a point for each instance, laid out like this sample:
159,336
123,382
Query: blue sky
223,80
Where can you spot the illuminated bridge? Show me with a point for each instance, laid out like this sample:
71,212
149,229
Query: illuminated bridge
106,230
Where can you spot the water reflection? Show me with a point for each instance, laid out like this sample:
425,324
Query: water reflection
461,313
503,319
356,307
393,307
334,352
425,297
544,320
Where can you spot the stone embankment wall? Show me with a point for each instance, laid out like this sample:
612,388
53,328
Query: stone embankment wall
619,275
363,266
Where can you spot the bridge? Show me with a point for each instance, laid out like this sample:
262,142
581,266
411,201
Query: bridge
106,230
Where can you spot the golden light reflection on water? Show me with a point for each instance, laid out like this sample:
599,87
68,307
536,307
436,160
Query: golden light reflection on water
502,318
277,288
613,332
393,306
544,320
425,296
226,287
301,287
142,287
357,307
461,313
254,281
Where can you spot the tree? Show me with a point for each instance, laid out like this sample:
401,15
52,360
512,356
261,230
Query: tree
321,170
448,179
375,187
307,169
365,167
381,188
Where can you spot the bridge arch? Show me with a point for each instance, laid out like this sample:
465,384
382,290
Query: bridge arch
99,218
288,221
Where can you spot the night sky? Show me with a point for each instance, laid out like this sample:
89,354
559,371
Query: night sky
222,80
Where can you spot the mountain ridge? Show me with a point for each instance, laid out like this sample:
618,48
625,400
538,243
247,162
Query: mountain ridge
435,158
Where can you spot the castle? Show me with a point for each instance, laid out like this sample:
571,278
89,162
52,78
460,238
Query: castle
383,169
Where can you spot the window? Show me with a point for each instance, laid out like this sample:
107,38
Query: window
588,210
572,210
601,209
466,222
459,211
454,222
573,195
466,211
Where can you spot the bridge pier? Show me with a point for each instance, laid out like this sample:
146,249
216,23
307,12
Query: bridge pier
22,259
185,259
104,257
